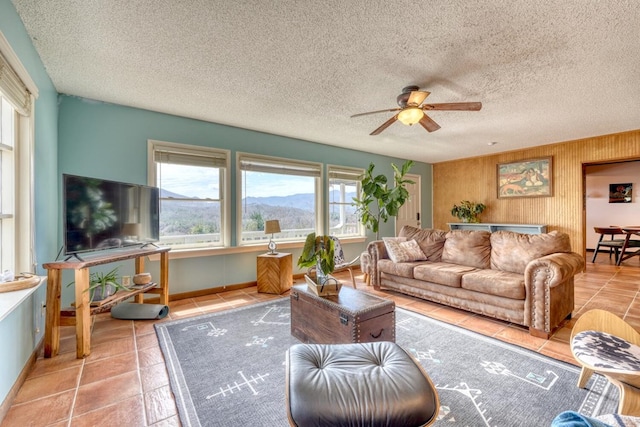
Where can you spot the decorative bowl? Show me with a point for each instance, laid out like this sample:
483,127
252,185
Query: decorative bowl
142,278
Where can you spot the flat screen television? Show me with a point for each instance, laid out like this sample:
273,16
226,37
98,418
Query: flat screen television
101,214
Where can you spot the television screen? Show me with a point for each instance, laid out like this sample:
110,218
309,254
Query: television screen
101,214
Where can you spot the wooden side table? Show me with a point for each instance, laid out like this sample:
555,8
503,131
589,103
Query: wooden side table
275,273
80,316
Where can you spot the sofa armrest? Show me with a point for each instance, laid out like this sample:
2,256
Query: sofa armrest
556,267
549,288
377,250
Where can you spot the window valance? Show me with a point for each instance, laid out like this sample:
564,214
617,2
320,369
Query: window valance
13,89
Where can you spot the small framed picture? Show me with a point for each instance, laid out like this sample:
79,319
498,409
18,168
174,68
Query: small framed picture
620,193
525,178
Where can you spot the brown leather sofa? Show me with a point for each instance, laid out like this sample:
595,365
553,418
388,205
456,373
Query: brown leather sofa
526,279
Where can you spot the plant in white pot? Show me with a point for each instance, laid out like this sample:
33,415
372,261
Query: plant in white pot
318,252
468,211
103,285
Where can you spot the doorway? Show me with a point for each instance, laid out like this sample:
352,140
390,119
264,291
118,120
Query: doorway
601,211
410,212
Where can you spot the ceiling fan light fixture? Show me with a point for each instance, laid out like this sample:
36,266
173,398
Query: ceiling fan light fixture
410,115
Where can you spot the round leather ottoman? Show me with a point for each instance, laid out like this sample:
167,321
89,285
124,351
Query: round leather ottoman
368,384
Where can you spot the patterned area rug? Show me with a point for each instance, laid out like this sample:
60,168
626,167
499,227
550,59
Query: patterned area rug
227,369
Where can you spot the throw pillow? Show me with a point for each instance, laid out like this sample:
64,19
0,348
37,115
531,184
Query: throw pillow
431,241
413,250
402,250
394,250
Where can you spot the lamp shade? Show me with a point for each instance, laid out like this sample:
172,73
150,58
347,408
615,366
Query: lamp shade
410,115
272,226
131,229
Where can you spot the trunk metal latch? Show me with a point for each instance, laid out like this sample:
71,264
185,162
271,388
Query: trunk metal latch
344,319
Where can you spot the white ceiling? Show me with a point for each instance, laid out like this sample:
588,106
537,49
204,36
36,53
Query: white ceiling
545,71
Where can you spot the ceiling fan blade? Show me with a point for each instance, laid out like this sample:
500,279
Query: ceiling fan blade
457,106
417,97
375,112
385,125
429,124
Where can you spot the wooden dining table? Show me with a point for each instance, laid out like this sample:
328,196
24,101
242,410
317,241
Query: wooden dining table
629,242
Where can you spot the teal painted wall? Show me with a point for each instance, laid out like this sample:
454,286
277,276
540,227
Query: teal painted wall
97,139
22,330
110,141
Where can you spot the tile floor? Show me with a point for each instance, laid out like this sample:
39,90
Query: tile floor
124,382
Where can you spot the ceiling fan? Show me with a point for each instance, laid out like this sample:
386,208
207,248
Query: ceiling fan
412,110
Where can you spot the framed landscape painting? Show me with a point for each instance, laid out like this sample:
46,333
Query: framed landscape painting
525,178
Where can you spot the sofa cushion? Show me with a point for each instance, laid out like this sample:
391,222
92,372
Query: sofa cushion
468,247
404,269
495,282
430,241
512,251
441,273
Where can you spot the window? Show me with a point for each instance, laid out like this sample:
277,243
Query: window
7,189
193,194
17,95
344,185
282,189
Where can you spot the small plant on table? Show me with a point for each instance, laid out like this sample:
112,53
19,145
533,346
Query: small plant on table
318,251
468,211
103,285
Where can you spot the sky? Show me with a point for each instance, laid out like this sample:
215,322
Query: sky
204,182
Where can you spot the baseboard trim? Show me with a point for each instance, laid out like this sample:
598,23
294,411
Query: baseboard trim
211,291
28,367
217,290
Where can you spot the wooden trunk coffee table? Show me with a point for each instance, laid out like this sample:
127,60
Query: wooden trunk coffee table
352,316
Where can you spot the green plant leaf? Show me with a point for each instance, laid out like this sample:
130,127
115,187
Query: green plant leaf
468,211
378,202
318,251
308,256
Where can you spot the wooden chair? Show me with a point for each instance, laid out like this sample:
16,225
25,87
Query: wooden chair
603,343
365,266
340,263
613,244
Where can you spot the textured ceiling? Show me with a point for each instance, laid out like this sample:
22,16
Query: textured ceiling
545,71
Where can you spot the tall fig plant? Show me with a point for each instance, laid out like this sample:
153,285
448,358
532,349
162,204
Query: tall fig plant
378,201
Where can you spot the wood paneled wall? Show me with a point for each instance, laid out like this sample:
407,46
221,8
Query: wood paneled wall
475,179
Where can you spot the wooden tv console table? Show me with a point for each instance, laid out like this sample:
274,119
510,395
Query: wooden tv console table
81,315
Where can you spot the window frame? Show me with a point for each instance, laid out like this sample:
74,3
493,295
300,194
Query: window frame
20,91
154,146
272,164
347,174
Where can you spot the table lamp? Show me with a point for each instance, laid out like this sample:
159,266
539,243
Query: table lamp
131,230
272,226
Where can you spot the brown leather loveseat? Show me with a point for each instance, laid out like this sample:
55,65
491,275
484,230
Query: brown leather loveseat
526,279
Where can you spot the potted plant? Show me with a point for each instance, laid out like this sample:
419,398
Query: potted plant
378,202
103,285
468,211
318,251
